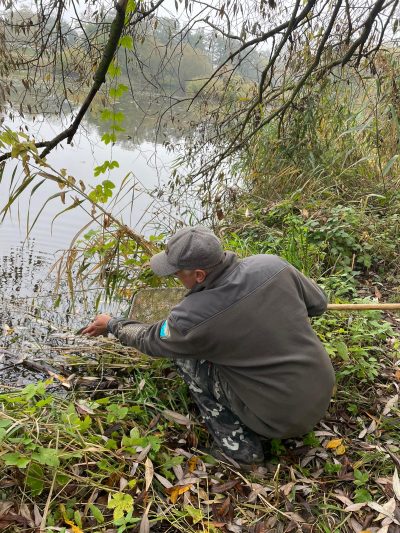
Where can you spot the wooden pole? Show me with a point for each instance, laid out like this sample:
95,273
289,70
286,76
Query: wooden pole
363,307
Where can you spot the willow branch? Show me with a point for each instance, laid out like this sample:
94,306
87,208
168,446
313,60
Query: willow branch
99,78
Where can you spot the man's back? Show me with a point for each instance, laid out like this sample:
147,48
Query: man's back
250,320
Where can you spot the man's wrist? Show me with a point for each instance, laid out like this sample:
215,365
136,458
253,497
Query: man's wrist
111,325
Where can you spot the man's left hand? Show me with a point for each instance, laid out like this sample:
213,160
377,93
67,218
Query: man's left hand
98,326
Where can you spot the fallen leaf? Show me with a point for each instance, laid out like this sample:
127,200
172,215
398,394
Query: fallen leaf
143,453
378,294
340,450
397,375
149,472
333,444
192,463
287,488
296,517
145,524
164,481
177,417
396,484
385,511
64,381
174,492
25,513
390,404
83,409
355,507
74,528
342,498
37,516
4,507
188,481
223,487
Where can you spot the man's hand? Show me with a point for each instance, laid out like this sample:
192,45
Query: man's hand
98,326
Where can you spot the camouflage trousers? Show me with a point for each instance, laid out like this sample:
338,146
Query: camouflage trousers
230,434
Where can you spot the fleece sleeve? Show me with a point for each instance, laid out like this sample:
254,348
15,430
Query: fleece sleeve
161,339
314,297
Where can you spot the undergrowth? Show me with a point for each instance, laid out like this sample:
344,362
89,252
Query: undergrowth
127,458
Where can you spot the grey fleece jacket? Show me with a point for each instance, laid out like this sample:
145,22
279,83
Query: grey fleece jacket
250,319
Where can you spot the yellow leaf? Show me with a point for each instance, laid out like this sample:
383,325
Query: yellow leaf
334,443
174,492
192,463
74,528
340,450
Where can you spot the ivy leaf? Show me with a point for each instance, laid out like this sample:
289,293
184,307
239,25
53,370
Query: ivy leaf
46,456
121,503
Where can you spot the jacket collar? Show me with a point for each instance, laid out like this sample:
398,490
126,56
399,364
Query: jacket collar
227,265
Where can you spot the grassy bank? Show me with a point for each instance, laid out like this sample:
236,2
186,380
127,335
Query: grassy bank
109,442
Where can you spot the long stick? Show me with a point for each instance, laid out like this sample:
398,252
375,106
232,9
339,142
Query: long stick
363,307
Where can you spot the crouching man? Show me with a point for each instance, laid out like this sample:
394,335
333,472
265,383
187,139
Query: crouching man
241,340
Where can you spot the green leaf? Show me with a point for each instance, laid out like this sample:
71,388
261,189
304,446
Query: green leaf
362,495
114,70
15,459
108,138
126,42
342,351
46,456
32,390
121,503
119,117
107,184
97,514
116,412
194,513
117,92
131,7
5,423
34,479
106,115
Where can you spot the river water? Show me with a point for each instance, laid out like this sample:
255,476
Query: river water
22,259
27,299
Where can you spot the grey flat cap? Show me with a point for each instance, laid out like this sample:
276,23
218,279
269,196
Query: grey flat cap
190,248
